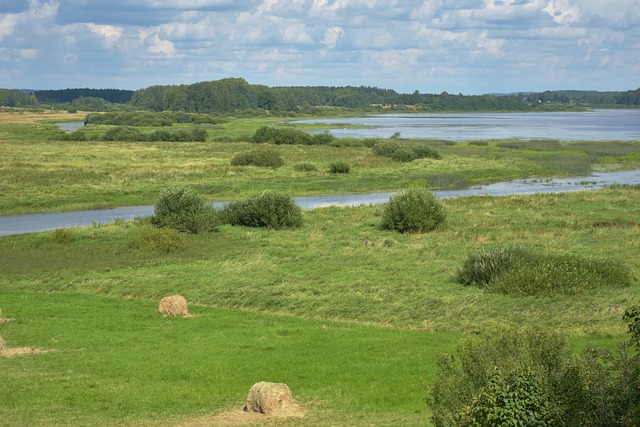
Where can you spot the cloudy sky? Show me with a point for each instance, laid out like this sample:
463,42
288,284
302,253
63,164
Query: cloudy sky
467,46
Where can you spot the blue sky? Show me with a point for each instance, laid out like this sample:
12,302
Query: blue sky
458,46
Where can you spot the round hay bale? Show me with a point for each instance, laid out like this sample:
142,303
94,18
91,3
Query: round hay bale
269,398
174,305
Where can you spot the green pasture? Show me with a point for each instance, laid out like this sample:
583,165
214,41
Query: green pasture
38,174
352,317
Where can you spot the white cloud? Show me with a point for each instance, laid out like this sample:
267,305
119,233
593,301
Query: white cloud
110,34
331,36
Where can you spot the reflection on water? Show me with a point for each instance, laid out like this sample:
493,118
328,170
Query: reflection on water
49,221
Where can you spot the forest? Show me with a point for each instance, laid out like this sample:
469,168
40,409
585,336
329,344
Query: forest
236,95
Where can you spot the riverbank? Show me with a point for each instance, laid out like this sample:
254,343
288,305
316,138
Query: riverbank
48,221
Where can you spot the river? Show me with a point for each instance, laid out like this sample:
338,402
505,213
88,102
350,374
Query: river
48,221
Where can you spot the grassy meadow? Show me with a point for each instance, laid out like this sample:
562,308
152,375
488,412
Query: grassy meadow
350,316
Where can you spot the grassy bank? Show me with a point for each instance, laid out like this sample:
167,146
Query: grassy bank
350,316
40,175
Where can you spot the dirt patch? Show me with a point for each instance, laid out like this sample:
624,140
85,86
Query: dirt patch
21,351
24,116
243,418
6,320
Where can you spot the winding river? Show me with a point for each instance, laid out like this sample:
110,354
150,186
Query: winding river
48,221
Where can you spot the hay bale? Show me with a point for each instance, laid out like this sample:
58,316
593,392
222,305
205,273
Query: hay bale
174,305
269,398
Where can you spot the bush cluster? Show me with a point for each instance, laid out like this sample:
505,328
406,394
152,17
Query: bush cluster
289,136
182,209
339,166
305,167
414,210
513,270
270,209
403,152
262,157
530,377
126,133
156,240
149,118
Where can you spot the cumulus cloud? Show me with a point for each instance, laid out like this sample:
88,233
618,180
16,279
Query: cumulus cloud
430,45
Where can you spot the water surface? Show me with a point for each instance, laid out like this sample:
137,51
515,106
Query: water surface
597,125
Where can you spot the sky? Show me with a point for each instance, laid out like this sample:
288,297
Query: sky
458,46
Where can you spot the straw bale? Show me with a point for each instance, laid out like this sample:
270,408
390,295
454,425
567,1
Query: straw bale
269,398
175,305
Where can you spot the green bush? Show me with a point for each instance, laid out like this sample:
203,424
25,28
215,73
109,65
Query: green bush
414,210
529,377
280,136
323,138
404,153
123,133
519,272
339,166
510,373
262,157
183,210
484,266
305,167
62,236
269,209
156,240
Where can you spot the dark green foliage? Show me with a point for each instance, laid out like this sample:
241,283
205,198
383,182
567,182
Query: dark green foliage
414,210
284,136
199,135
322,138
148,118
403,152
119,96
339,166
514,398
157,240
519,272
484,266
479,143
62,236
183,210
507,373
270,209
305,167
529,375
262,157
123,133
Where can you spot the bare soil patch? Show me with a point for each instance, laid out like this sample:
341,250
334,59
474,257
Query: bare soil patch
21,351
240,417
14,116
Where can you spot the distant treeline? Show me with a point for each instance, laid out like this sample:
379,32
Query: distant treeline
114,96
235,95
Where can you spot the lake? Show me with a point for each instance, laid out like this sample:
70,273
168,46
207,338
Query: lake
596,125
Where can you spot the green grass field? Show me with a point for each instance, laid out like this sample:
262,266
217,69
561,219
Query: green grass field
350,316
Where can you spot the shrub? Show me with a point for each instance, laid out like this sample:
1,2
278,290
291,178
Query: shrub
404,153
520,272
157,240
279,136
199,135
339,166
183,210
483,266
322,138
123,133
414,210
62,236
262,157
305,167
423,151
506,373
386,148
269,209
